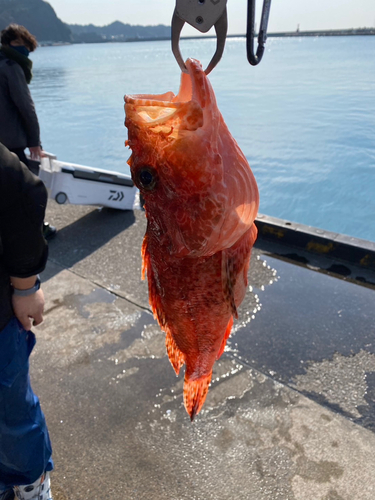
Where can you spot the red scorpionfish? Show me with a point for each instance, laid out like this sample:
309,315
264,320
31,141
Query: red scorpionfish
201,199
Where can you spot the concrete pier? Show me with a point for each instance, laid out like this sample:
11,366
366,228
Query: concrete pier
290,414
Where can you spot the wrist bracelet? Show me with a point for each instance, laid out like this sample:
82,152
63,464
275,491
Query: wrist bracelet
28,291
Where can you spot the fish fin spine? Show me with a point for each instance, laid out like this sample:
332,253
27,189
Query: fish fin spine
195,393
225,338
175,355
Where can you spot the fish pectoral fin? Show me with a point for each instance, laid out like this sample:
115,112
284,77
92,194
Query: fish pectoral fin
235,266
153,292
195,392
225,338
229,280
176,357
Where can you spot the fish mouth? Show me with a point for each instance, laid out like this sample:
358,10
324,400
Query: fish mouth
170,113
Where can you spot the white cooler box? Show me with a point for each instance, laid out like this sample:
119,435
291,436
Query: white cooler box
80,185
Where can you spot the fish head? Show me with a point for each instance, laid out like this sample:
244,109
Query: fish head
174,161
178,146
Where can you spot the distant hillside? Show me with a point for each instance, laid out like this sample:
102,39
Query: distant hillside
40,19
37,16
118,31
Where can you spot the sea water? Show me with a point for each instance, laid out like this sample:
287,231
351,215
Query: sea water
304,117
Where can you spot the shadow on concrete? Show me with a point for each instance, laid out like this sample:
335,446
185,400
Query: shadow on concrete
83,237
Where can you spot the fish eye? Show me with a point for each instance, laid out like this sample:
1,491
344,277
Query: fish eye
147,178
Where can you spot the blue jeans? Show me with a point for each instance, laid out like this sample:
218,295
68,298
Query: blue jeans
25,448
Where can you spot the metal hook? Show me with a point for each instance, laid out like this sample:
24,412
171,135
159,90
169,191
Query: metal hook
221,28
253,58
215,14
177,25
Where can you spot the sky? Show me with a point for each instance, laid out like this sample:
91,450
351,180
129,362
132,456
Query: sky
285,15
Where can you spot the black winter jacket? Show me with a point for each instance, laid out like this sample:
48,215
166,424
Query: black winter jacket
23,250
19,126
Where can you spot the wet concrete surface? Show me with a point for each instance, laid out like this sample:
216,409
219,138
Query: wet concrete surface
289,413
317,334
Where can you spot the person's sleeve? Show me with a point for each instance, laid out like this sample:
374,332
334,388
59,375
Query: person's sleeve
20,95
23,200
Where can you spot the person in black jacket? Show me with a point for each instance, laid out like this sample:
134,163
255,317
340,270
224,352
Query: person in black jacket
25,448
19,126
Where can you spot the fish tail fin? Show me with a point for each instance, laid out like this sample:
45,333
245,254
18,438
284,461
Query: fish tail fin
195,392
175,356
225,338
